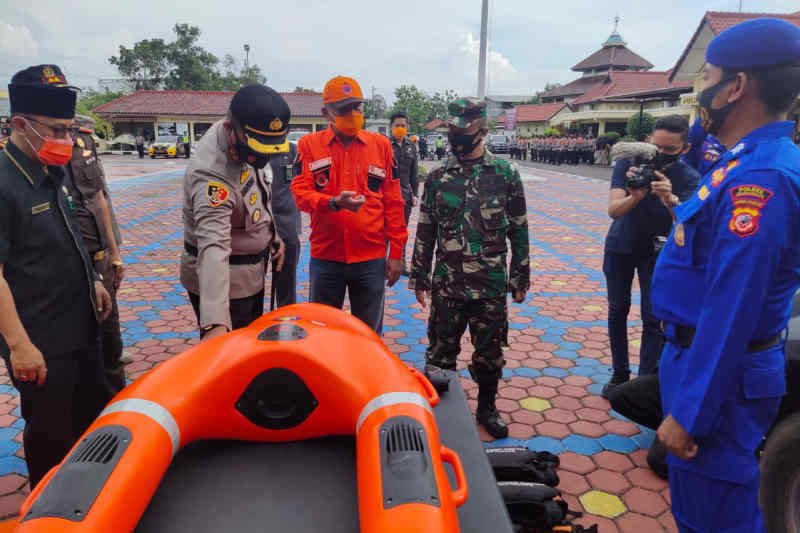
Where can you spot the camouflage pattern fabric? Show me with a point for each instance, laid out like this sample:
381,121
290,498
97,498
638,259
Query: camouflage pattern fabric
448,321
467,214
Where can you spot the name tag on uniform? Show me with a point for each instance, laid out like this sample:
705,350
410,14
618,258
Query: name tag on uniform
377,171
41,208
320,164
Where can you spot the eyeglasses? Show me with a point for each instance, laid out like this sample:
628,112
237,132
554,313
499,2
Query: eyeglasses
59,132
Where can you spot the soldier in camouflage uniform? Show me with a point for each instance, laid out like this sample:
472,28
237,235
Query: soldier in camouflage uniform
471,206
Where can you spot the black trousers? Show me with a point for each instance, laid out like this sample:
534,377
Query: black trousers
140,149
110,334
243,310
285,281
640,400
57,413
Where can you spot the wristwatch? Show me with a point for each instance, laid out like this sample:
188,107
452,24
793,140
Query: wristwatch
332,205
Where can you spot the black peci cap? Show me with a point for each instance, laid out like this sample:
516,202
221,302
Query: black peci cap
264,115
42,90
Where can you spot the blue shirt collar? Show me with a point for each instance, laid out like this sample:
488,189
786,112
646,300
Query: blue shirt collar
771,131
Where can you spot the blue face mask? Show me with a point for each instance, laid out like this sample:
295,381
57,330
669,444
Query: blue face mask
712,119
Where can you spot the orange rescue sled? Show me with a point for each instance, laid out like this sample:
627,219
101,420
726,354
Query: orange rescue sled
300,372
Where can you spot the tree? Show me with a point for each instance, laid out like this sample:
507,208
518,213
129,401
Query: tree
88,101
647,122
420,107
375,107
304,90
192,66
145,65
181,64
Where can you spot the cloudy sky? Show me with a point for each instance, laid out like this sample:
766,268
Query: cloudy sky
430,43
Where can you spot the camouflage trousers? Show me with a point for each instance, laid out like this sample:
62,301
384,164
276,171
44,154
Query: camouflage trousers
488,322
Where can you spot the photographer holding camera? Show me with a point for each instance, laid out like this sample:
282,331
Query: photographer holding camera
648,180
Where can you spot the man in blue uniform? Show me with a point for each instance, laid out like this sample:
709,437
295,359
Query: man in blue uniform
724,282
705,150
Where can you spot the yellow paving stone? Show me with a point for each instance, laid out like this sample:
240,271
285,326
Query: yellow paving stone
592,308
535,404
159,270
126,291
602,503
637,343
559,283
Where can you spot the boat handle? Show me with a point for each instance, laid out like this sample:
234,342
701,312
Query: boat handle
461,492
430,392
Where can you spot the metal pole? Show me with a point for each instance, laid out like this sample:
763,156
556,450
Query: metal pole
482,53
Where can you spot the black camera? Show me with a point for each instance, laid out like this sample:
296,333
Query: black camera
645,173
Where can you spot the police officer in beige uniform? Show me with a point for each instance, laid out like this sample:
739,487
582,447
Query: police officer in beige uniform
229,230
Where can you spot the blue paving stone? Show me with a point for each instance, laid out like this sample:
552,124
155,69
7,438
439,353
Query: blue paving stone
17,412
582,445
504,442
8,433
527,372
546,444
8,389
18,424
645,438
618,443
13,465
587,361
582,371
595,388
507,373
8,448
555,372
566,354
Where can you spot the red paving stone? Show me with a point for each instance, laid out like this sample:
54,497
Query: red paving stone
570,222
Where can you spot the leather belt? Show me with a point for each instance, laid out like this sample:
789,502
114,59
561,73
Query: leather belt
684,336
99,255
241,259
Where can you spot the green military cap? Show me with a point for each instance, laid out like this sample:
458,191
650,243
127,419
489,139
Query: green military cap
464,111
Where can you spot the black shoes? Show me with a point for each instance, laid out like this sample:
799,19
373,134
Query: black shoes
616,379
438,378
487,414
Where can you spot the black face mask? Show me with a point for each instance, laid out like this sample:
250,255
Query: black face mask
463,144
712,119
244,151
662,160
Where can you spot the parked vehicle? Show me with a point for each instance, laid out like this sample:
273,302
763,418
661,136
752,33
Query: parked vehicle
167,146
499,144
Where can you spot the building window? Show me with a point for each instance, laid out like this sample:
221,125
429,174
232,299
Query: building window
173,128
200,129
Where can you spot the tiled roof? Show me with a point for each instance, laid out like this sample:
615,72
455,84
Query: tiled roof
538,113
575,87
197,103
720,21
620,83
613,56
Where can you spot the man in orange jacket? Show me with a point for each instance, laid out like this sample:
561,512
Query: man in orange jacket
344,180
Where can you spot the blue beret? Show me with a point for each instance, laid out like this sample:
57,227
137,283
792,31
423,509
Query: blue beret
757,43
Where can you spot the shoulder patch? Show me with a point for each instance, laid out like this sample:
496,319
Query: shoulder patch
217,193
320,163
748,201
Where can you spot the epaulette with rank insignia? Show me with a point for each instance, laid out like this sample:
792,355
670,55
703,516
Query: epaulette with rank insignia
84,129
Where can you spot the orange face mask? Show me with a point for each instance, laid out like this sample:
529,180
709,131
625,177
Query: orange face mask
53,152
349,124
399,132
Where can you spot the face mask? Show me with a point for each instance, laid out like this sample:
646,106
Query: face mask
53,152
258,162
463,144
662,160
399,132
349,124
712,119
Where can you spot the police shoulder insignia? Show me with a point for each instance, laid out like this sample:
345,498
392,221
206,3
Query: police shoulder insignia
703,192
253,198
256,215
721,173
244,175
748,201
217,193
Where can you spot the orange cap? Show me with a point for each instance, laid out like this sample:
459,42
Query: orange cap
342,90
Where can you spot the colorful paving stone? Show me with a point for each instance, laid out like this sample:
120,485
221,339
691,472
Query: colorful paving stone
557,362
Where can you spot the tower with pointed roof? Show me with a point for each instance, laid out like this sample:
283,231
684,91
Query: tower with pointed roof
614,54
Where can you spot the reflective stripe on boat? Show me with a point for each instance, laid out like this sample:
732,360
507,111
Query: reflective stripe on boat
391,398
153,411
